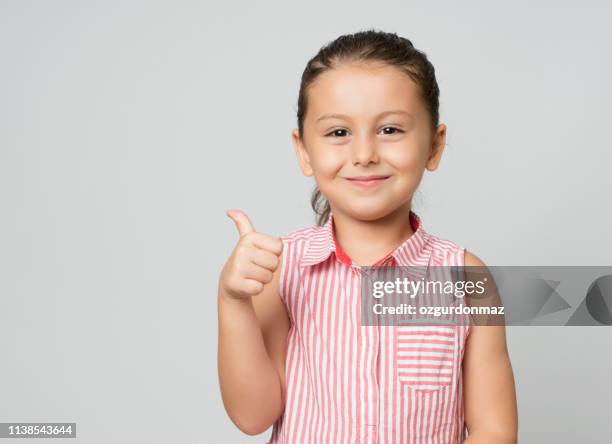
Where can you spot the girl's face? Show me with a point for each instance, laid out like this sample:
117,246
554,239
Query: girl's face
367,120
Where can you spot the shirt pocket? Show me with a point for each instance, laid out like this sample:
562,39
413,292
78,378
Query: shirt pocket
425,356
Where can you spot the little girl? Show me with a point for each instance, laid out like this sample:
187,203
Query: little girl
293,353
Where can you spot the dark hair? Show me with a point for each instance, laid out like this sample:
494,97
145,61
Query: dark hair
368,46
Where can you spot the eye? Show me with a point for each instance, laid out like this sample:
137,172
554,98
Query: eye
335,132
392,128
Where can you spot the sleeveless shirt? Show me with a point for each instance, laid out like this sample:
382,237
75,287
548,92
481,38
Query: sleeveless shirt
353,383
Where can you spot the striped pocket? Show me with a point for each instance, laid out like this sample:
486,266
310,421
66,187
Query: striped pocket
425,355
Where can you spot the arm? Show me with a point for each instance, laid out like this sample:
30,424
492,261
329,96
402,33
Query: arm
490,398
251,344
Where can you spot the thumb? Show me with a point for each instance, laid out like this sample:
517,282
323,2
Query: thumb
242,221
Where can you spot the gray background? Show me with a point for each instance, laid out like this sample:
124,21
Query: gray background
128,128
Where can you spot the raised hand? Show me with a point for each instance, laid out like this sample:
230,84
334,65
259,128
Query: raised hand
253,261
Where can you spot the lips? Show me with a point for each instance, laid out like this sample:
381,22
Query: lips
367,178
367,182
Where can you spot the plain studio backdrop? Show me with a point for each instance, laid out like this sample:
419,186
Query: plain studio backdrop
129,128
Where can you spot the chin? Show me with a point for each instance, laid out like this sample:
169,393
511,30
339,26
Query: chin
369,212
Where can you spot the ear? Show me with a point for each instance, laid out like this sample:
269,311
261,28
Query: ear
437,148
302,154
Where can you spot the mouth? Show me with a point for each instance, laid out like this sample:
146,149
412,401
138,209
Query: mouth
367,181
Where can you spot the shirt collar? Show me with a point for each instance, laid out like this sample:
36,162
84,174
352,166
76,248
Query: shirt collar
414,250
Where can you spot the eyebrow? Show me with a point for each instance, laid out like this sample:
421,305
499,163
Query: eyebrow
383,114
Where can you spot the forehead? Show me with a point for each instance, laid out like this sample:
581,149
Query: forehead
363,89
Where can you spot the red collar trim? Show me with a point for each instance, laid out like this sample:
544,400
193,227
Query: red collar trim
343,257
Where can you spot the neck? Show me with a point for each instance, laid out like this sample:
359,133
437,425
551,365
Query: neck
367,241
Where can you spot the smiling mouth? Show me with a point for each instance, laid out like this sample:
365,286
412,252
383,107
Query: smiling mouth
367,181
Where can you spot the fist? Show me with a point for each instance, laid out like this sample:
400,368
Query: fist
253,261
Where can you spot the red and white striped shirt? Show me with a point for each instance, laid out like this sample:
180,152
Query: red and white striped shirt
348,383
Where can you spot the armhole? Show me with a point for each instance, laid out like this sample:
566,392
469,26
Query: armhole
461,256
283,272
282,278
461,263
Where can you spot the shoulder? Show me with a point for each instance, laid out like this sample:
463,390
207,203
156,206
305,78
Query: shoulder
444,249
300,235
296,245
471,260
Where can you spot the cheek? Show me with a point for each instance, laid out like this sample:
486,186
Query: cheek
408,160
326,161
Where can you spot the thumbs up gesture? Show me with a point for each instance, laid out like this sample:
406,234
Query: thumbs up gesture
253,261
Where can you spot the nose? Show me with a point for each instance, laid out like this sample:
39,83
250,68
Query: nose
363,151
